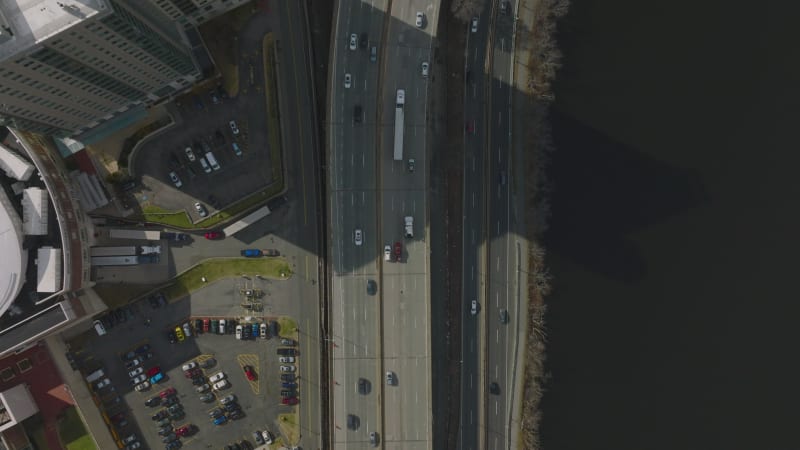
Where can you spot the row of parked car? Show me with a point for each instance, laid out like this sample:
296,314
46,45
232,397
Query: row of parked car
243,330
142,379
171,411
200,151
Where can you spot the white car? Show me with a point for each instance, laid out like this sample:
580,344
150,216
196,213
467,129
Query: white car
239,332
353,41
139,379
220,385
286,359
187,329
175,180
102,383
474,26
216,377
420,19
267,437
135,372
142,386
263,329
358,236
189,153
348,81
287,369
390,378
203,212
425,69
227,399
387,252
234,128
474,307
189,366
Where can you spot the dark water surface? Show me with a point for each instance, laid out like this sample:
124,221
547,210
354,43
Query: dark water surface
676,228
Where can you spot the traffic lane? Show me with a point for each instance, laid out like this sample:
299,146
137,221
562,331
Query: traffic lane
351,210
406,335
354,164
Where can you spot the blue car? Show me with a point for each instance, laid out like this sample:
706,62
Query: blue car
289,385
255,330
220,420
156,378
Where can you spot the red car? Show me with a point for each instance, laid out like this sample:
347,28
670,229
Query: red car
289,400
185,430
153,370
248,371
167,392
191,373
211,235
205,325
398,251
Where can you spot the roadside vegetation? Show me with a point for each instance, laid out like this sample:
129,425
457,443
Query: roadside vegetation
212,270
72,432
543,61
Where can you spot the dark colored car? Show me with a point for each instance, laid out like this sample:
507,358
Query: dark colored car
219,138
185,430
171,337
236,415
198,326
165,430
167,392
287,377
128,356
357,114
363,386
287,352
143,349
372,287
171,401
214,413
160,415
169,438
353,422
231,407
287,394
363,41
289,385
153,401
494,388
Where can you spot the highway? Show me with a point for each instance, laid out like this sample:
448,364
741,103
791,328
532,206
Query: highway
505,248
368,190
474,231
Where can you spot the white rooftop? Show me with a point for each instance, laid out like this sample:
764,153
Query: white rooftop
15,259
33,21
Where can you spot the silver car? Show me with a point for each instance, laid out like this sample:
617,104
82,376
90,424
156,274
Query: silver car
353,41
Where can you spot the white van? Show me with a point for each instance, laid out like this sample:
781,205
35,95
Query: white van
204,163
212,161
99,328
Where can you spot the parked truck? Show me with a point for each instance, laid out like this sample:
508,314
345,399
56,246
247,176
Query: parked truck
409,221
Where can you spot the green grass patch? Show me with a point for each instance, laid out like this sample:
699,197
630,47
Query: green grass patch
216,269
290,429
72,431
288,327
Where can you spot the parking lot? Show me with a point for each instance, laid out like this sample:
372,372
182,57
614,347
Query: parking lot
203,125
142,339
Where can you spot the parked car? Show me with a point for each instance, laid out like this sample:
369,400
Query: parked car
287,341
230,398
153,370
234,128
216,377
239,332
257,437
185,430
236,150
137,371
220,385
287,368
289,400
189,366
221,420
202,388
201,210
287,377
248,372
153,401
175,180
171,337
267,437
179,334
156,378
141,387
207,398
214,413
264,331
167,392
131,364
138,379
206,321
189,154
286,359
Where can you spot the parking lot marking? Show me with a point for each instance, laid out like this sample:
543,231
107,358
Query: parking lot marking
249,359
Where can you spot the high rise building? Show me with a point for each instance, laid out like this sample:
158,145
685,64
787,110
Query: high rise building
67,66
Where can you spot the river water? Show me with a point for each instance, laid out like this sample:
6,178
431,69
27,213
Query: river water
674,236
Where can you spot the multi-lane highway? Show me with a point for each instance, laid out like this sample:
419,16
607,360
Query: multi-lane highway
371,192
505,246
